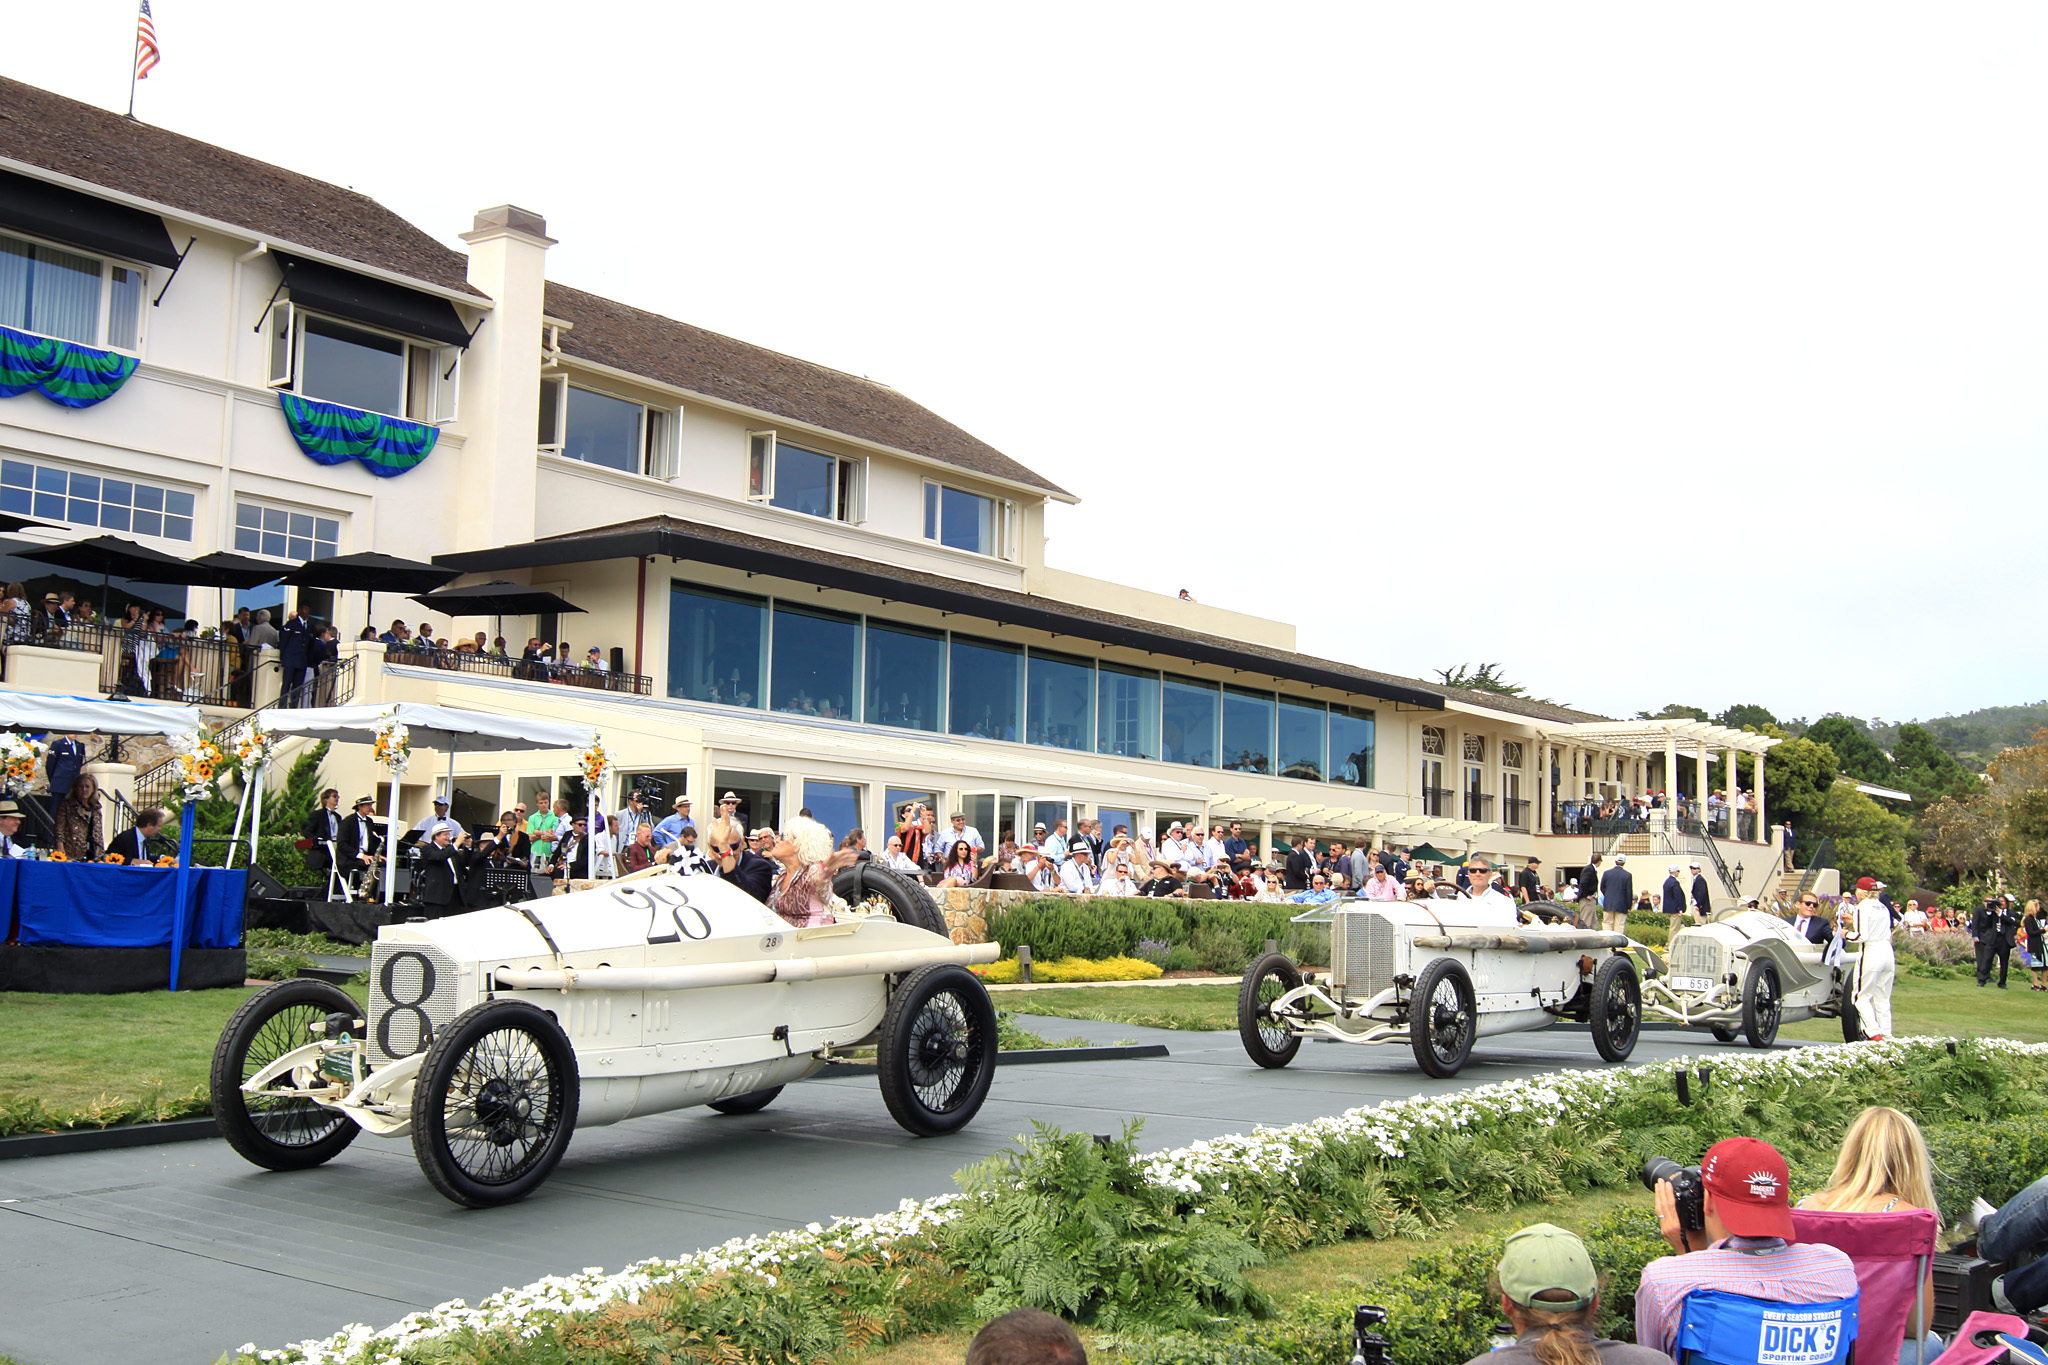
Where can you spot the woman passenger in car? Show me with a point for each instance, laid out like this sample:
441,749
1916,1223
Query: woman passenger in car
802,894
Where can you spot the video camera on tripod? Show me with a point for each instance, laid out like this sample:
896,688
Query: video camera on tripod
1367,1346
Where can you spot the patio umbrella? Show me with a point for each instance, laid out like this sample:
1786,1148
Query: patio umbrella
370,573
109,557
225,569
496,598
10,523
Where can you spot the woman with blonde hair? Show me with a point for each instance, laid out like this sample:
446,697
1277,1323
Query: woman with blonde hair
78,821
1883,1168
802,893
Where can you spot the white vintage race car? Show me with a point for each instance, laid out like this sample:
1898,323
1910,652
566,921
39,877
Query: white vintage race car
490,1036
1747,971
1429,973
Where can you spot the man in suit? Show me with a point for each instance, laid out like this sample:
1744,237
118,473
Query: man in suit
440,873
1617,894
10,831
1673,900
1809,924
323,827
65,759
1589,882
360,841
1992,928
1300,865
1702,898
293,642
133,844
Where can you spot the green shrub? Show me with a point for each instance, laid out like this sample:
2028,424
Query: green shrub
1221,951
268,965
1989,1161
1113,926
1181,958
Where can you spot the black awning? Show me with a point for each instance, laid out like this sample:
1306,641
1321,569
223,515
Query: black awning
949,595
377,303
46,210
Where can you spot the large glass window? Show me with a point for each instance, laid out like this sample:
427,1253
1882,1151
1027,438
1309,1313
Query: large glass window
284,534
988,688
806,481
1061,701
600,429
1300,751
817,663
56,293
1351,749
357,369
1127,704
836,806
1187,721
717,643
963,520
760,796
906,675
1247,731
48,493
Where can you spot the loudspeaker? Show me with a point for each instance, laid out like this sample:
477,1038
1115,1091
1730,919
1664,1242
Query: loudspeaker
263,886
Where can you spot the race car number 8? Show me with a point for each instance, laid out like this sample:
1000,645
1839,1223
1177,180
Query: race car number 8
690,922
387,979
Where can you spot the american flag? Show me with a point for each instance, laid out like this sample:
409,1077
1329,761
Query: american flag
146,53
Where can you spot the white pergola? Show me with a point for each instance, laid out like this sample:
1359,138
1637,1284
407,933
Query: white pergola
1317,817
1667,737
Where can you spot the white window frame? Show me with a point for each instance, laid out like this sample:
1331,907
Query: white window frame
106,305
849,479
1002,520
440,404
661,429
237,501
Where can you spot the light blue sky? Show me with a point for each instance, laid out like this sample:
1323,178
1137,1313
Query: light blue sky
1659,354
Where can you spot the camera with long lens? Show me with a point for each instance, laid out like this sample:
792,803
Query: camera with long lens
1368,1346
1687,1188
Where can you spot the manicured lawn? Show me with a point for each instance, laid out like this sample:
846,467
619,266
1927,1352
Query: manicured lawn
112,1053
1952,1009
1181,1007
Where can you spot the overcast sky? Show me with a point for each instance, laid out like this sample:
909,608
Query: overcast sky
1658,353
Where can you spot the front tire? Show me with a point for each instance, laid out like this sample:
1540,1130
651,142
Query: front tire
936,1050
747,1104
282,1133
1763,1005
1266,1040
494,1103
1443,1018
1724,1035
1617,1014
907,900
1852,1022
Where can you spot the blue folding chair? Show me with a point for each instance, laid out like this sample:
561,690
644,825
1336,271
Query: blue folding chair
1719,1328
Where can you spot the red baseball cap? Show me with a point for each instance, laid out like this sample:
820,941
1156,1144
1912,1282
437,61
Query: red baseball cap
1867,884
1752,1189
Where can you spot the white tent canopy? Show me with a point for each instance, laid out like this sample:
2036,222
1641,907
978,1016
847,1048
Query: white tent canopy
81,715
448,728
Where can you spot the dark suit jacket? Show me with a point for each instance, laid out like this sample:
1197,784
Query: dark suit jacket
128,843
1617,891
1995,927
1298,869
292,639
1589,883
352,840
1674,897
316,828
1818,930
63,762
439,873
1702,898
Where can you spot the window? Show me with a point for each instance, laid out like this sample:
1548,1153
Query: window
48,493
599,429
816,663
806,481
1247,731
1127,701
283,534
760,796
1187,721
988,688
1300,750
58,293
1511,753
1432,739
1061,710
906,676
1351,747
969,521
717,646
338,362
836,806
1475,748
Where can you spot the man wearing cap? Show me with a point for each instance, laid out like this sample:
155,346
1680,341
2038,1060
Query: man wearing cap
437,821
360,840
1702,898
1868,925
1077,873
1548,1286
1673,898
1749,1248
1381,886
671,827
963,830
1617,894
1530,880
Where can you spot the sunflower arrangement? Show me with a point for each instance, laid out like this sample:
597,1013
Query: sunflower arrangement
253,750
393,745
596,762
19,756
114,858
58,855
168,860
201,762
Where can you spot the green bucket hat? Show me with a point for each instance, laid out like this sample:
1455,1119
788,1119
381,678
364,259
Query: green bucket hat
1542,1257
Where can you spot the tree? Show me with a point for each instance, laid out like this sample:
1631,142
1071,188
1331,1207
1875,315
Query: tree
1856,752
1869,840
1958,837
1486,679
1927,770
1675,711
1745,716
2019,792
1798,776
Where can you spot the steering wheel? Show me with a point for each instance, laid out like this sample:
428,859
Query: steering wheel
1550,913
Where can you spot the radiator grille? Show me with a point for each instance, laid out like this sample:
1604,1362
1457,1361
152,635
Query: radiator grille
1698,955
415,990
1362,951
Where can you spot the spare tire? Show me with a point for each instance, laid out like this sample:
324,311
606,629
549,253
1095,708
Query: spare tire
908,901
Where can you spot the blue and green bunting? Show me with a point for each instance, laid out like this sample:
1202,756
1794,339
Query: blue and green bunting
61,371
331,433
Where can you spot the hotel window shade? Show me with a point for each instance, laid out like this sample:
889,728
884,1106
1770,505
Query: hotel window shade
377,303
64,215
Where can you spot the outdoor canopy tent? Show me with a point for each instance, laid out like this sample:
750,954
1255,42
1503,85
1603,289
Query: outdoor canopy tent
83,715
438,727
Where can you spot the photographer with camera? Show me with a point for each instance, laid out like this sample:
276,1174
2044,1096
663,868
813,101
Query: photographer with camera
1551,1296
1730,1221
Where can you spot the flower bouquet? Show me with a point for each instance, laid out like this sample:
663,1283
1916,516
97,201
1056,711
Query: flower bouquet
114,858
201,761
253,750
19,756
596,763
393,746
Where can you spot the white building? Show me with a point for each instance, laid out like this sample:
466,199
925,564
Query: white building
809,588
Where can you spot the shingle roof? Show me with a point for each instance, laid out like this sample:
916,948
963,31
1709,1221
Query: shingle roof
660,348
87,143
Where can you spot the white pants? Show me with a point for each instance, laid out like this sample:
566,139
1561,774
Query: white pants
1874,977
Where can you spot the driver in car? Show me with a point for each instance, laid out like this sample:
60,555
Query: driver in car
1487,903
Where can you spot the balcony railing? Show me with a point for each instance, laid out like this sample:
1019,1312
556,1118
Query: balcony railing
504,666
1514,813
1479,807
1436,801
166,665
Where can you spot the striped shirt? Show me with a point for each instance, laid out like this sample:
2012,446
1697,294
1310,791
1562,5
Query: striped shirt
1760,1267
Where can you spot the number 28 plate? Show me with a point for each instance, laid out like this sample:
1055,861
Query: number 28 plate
1692,983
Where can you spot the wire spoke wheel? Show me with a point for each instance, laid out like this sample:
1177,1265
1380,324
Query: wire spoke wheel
1763,1004
942,1052
278,1127
1442,1018
1267,1038
1617,1014
1447,1020
494,1103
936,1050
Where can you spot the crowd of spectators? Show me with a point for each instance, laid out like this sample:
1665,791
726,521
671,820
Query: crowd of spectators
539,661
1723,815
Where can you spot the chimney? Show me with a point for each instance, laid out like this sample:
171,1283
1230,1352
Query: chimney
501,379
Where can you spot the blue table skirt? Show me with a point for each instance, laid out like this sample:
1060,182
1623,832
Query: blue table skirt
104,905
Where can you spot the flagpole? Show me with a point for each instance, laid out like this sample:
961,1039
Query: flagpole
135,59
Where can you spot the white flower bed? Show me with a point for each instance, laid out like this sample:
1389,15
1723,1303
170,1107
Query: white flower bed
1265,1154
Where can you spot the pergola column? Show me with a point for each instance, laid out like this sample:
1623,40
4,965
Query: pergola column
1543,784
1670,777
1763,828
1701,775
1266,842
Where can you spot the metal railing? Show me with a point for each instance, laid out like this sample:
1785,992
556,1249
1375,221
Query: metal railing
165,665
1436,801
333,685
1514,813
1823,858
1479,807
522,670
